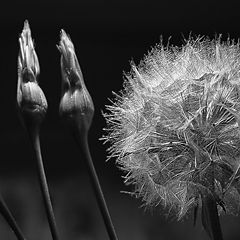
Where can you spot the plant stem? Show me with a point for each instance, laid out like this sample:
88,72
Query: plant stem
10,219
82,139
210,218
43,183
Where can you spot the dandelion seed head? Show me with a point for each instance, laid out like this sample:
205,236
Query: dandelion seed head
174,128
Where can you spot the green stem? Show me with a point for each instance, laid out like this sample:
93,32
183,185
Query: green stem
43,183
10,219
82,140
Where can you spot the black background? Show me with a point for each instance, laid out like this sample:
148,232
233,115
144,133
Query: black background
107,35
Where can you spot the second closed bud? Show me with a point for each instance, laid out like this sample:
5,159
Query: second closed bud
76,103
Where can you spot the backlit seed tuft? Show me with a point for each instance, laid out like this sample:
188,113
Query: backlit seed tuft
175,128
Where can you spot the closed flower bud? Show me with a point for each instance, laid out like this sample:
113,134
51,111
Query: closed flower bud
76,103
30,97
175,128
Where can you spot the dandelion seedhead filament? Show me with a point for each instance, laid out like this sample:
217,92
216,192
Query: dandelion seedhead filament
174,129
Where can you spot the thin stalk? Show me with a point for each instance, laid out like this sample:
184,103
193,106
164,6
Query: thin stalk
10,219
43,183
210,218
82,140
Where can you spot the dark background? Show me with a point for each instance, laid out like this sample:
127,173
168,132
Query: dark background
107,35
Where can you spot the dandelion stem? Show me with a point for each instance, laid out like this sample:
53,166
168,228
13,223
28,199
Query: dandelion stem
82,140
43,183
210,218
10,219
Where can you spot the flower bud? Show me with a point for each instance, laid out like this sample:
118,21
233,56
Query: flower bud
76,103
31,100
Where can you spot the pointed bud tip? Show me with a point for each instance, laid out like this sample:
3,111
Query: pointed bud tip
27,56
26,33
62,33
26,25
71,72
65,42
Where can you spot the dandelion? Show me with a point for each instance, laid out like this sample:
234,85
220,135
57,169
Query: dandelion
174,129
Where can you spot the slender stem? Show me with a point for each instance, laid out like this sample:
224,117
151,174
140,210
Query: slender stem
82,140
43,184
10,219
210,218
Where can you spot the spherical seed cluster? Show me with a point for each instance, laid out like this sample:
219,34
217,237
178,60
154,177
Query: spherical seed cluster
174,129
